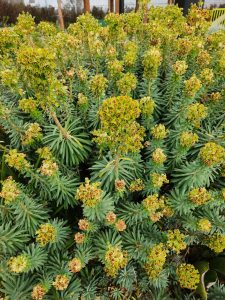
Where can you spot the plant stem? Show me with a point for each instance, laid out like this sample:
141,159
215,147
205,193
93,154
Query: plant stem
65,134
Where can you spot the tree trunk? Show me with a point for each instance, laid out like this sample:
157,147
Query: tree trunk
111,6
136,5
60,15
117,6
87,7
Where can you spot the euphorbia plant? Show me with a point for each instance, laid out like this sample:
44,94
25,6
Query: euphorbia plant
112,158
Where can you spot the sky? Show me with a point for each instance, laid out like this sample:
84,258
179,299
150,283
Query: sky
104,3
100,3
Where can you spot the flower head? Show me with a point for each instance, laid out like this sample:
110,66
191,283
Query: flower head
110,217
136,185
195,113
10,191
48,167
120,185
158,156
17,160
192,86
180,67
120,225
79,238
156,260
46,234
175,240
159,131
151,62
155,207
158,180
206,75
115,259
18,264
83,224
38,292
188,276
98,85
147,106
75,265
216,242
188,139
204,225
32,134
212,154
199,196
61,282
126,83
89,193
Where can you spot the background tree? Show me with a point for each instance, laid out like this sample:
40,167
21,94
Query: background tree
60,15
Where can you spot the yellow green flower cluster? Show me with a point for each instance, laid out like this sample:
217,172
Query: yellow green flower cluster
127,83
159,131
25,24
180,67
212,154
82,75
188,139
18,264
155,207
32,134
17,160
98,85
216,242
207,75
48,167
120,185
46,233
38,292
115,67
130,54
151,62
115,259
195,113
44,153
204,225
10,191
61,282
199,196
158,180
75,265
46,28
37,66
27,105
188,276
156,260
147,106
136,185
9,77
175,240
119,130
215,96
192,86
203,58
158,156
82,100
89,193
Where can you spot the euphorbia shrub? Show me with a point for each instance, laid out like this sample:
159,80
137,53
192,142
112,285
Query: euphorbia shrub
112,158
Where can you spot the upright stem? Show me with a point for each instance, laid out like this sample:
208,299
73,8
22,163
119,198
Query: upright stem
65,134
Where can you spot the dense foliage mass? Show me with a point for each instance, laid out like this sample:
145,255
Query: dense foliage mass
112,158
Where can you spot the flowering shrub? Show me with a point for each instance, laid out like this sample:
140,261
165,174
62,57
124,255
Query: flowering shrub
112,158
